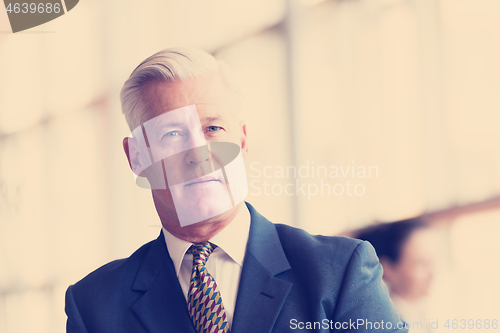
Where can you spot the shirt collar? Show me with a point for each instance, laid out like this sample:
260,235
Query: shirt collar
232,240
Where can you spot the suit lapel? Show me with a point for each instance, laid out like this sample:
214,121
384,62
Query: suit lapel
261,295
162,307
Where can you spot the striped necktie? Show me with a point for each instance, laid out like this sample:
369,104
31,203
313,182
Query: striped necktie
204,300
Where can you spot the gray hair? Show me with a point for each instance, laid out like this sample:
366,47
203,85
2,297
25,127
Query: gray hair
168,65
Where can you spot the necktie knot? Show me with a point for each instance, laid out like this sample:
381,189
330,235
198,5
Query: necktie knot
201,252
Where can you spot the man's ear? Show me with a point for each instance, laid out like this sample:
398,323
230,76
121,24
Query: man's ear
136,159
243,138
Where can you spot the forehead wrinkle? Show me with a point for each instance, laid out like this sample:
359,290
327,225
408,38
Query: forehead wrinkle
161,97
212,112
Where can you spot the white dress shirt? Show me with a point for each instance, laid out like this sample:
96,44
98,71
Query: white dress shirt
224,264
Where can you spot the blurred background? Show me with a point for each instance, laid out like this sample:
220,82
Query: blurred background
358,111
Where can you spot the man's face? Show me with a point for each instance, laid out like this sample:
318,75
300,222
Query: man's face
192,148
411,277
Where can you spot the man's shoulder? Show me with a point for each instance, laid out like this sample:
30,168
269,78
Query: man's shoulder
115,272
295,236
301,247
298,243
288,233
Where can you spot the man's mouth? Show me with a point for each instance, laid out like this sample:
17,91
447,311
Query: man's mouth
202,180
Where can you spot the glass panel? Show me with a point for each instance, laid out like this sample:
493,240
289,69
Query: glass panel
21,83
261,76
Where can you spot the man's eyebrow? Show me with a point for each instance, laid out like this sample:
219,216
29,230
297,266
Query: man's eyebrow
210,119
162,124
171,124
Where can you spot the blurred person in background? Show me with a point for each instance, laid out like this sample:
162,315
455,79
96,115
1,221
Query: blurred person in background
407,252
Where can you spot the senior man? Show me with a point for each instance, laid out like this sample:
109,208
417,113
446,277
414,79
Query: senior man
218,265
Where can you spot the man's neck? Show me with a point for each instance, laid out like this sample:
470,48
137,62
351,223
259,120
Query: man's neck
205,230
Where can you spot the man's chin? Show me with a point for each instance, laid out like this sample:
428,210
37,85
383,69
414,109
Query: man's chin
213,220
203,211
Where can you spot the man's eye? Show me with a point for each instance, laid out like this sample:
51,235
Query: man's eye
172,133
213,128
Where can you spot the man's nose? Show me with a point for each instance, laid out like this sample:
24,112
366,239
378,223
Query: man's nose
198,155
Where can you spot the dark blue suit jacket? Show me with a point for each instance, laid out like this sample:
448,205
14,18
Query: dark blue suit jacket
290,282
